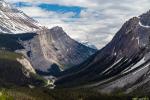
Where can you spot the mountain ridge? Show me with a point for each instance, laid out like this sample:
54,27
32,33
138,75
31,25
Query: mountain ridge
15,21
121,64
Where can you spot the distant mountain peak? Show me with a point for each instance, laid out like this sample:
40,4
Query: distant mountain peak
56,28
88,44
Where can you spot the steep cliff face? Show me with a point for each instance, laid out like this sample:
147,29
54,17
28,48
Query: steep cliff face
122,64
54,47
48,50
15,21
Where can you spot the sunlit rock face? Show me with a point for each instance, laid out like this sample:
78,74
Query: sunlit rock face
54,46
48,50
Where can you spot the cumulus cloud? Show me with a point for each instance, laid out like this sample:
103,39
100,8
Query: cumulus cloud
97,23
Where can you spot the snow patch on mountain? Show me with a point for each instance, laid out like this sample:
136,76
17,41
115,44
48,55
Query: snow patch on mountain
5,4
142,61
15,21
145,26
141,68
108,69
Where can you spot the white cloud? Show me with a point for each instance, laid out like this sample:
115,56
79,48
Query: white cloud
99,21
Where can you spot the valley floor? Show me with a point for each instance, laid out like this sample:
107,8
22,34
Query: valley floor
23,93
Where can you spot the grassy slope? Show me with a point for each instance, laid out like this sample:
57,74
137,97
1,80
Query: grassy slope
11,71
22,93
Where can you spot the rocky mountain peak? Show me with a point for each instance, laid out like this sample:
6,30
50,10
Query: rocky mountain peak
145,18
58,32
57,28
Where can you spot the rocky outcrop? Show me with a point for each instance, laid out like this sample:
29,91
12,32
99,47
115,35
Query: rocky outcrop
49,50
26,64
54,47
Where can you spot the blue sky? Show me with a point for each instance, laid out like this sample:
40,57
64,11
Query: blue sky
53,7
95,21
62,9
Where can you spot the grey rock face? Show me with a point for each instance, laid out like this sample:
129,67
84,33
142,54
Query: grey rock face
122,64
54,46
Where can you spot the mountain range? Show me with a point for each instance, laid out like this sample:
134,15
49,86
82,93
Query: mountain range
43,47
36,59
123,64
